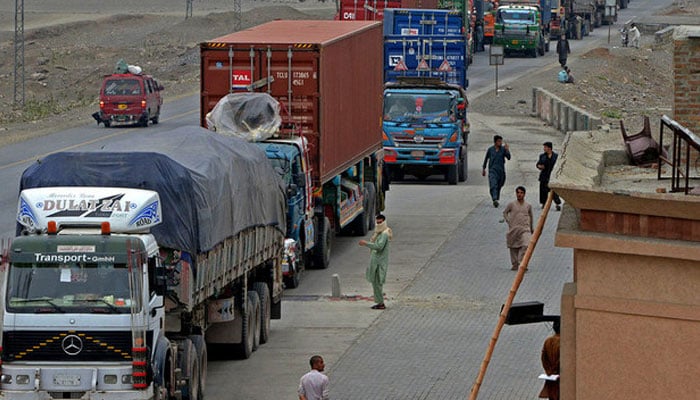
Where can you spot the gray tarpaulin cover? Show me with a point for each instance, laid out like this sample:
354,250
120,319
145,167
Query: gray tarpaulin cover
250,116
211,186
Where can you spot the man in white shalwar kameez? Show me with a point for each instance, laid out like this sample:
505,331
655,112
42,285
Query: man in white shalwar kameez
518,215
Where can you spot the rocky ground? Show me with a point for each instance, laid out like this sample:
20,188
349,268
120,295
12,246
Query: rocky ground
64,64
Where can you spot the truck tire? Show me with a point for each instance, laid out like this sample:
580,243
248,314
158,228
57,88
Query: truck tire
265,310
293,280
144,121
463,166
540,48
201,346
245,348
452,174
106,123
371,191
189,364
322,249
254,302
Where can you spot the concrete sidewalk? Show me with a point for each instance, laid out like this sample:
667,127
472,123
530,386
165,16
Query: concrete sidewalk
430,342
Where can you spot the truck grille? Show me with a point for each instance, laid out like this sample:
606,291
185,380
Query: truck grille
67,345
417,141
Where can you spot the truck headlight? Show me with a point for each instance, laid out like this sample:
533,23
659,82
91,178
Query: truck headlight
22,379
126,379
6,379
110,379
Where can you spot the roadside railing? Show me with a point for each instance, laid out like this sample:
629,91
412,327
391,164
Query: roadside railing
685,155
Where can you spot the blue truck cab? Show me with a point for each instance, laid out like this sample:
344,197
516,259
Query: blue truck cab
425,129
289,160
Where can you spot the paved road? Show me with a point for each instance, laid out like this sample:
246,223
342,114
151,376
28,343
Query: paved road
449,275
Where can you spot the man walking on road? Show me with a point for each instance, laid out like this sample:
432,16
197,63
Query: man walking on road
518,215
496,156
379,259
314,385
546,164
563,50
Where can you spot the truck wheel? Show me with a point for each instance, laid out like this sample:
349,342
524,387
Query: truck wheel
540,48
452,175
106,123
254,302
264,296
144,121
293,281
245,348
156,117
463,166
190,366
371,191
322,249
201,346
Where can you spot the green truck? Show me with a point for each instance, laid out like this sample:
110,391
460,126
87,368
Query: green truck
523,26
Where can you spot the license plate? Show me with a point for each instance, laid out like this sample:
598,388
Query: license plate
514,42
417,153
66,380
122,106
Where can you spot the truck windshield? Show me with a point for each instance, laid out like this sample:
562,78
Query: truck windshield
72,287
120,87
516,17
419,107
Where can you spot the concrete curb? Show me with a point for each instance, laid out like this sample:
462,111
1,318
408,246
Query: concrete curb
563,116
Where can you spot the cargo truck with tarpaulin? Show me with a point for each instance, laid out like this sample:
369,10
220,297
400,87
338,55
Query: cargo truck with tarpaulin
327,78
134,257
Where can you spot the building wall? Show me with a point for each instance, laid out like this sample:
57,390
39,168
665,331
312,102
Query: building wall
686,77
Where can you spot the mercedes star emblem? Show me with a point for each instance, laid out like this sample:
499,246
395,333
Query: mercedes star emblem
72,345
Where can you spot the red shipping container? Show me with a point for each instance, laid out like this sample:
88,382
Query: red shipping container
326,74
365,10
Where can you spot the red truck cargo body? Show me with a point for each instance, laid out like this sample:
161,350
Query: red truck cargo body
327,75
373,10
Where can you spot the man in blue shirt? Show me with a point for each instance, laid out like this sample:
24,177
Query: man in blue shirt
496,156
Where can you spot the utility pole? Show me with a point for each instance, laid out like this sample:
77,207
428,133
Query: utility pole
188,9
19,53
237,15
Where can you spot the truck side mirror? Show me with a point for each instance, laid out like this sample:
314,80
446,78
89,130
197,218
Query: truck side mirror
160,280
461,109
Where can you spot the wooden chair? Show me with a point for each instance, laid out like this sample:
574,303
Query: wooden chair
641,147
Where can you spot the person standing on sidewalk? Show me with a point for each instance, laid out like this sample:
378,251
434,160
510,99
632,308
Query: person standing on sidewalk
550,363
546,164
518,215
379,259
563,50
496,156
314,385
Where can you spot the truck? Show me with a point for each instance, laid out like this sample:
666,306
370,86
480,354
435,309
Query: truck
583,16
327,78
425,43
373,10
469,18
523,26
132,260
426,129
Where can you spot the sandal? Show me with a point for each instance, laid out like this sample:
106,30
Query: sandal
380,306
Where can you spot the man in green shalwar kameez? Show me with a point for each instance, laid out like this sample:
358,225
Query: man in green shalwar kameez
379,260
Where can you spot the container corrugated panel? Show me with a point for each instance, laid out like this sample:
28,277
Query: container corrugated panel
364,10
326,74
409,51
427,4
413,22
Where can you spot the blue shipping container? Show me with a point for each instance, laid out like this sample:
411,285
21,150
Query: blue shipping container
412,22
403,56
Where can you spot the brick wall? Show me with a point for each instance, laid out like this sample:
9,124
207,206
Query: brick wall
686,77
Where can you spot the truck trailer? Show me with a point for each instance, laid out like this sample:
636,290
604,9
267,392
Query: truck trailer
327,78
373,10
131,259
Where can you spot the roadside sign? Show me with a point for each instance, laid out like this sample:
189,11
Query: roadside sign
445,66
495,55
423,65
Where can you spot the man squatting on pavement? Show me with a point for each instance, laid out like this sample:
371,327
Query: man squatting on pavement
518,215
314,385
546,164
496,156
